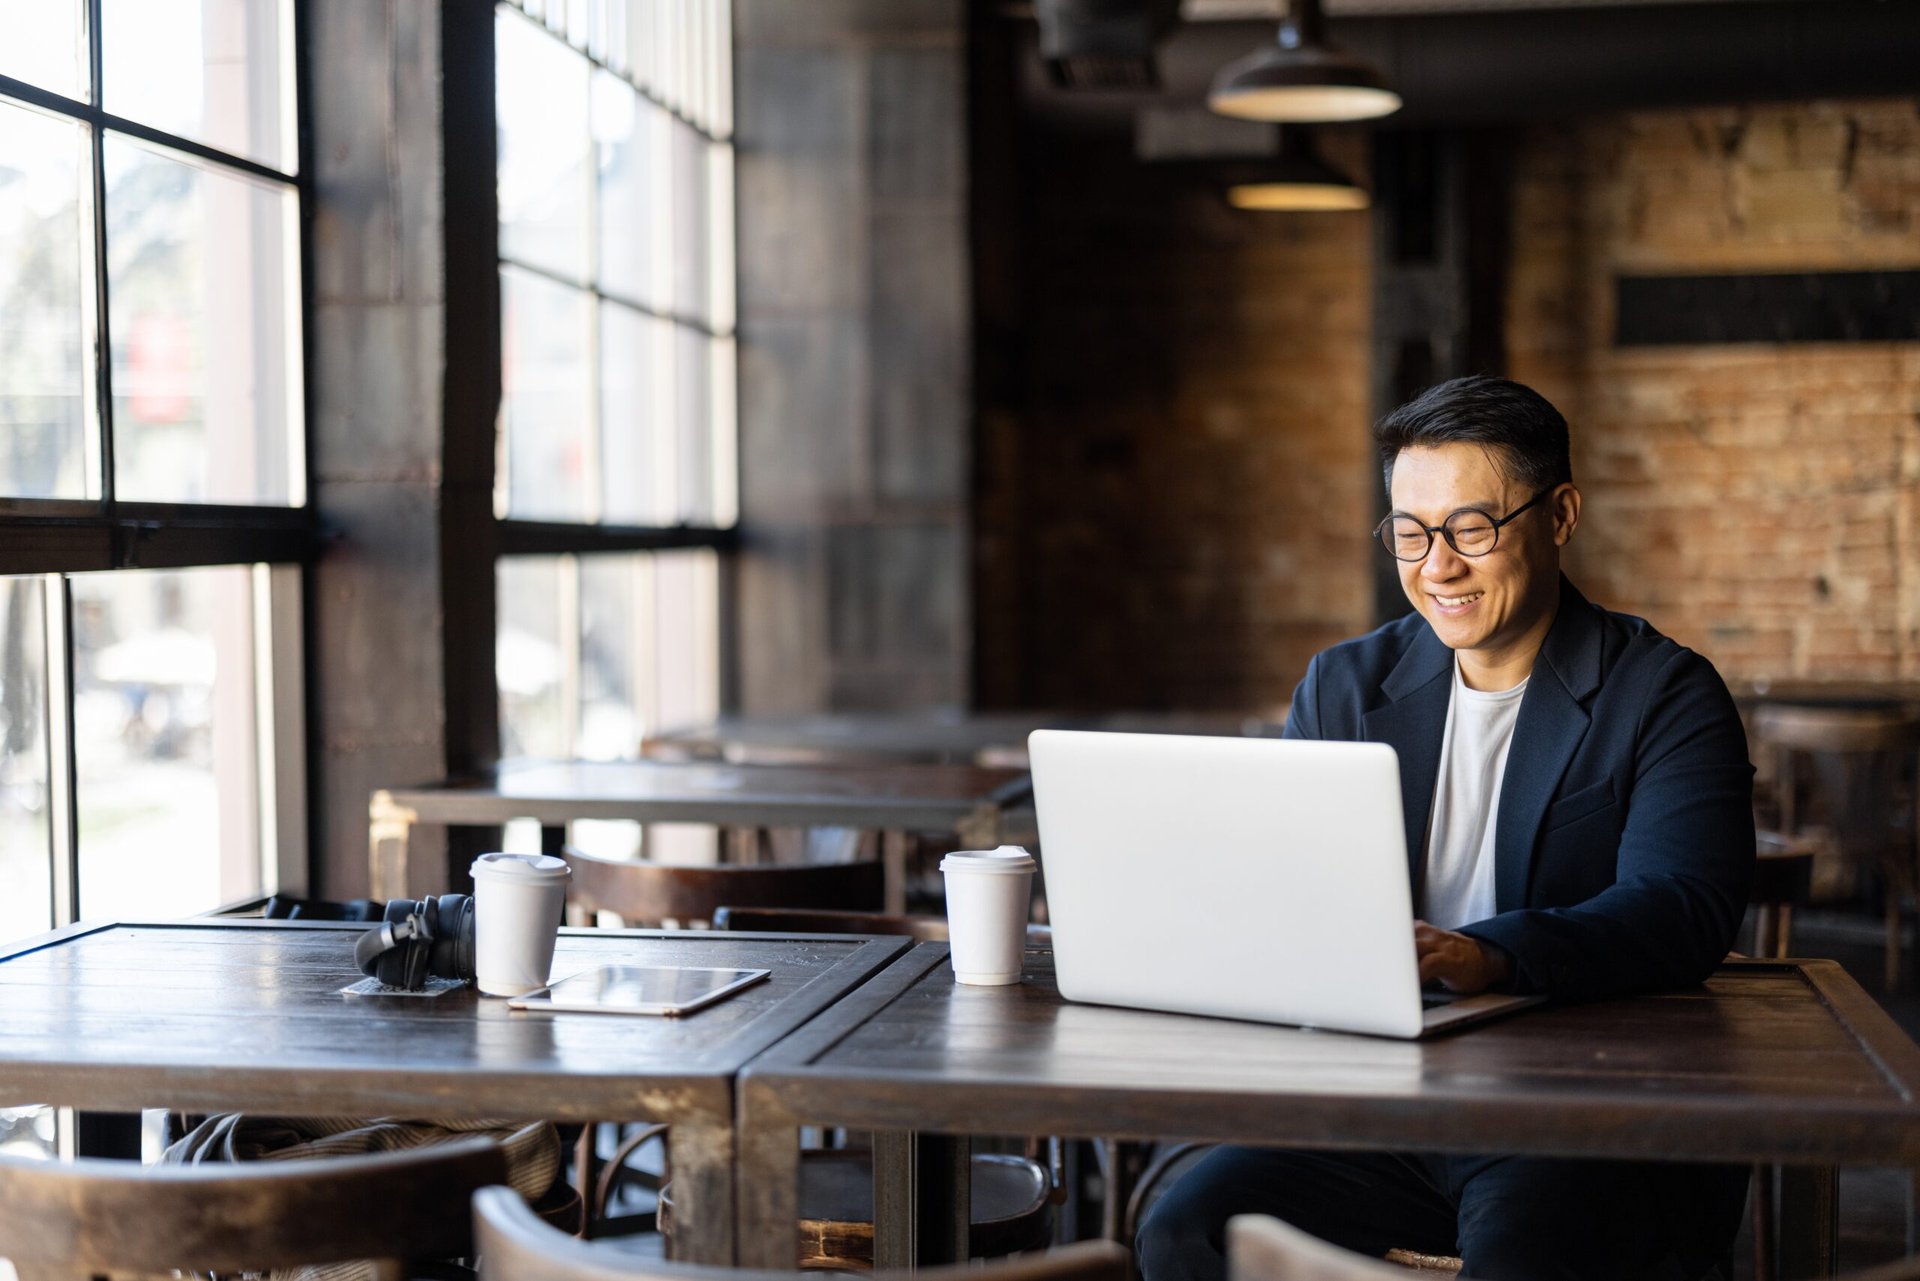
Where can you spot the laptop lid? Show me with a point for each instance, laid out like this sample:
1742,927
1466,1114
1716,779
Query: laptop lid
1259,879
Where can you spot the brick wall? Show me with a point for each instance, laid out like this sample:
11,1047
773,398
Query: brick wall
1173,485
1756,502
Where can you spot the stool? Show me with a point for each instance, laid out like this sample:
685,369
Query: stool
1872,818
1782,877
1010,1201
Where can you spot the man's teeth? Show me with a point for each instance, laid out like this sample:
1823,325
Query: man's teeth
1451,601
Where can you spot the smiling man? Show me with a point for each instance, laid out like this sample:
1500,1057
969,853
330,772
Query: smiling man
1578,802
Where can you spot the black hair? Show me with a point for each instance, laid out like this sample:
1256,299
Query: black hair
1527,433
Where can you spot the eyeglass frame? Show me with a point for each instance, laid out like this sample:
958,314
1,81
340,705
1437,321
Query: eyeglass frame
1379,531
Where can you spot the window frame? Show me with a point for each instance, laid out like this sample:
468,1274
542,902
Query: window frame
513,536
54,538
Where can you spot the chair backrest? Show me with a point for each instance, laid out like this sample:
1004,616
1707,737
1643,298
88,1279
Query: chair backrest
640,892
1260,1248
1868,755
921,929
87,1217
514,1245
1843,730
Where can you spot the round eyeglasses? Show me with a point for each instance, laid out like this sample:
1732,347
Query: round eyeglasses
1469,531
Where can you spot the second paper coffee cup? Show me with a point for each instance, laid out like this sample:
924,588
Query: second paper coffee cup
987,898
517,904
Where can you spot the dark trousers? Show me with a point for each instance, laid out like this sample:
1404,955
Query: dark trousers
1509,1218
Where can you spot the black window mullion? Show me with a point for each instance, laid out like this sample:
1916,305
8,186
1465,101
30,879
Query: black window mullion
559,538
102,346
156,536
599,294
63,766
93,115
304,194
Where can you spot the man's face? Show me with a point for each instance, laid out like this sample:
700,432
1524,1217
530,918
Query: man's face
1490,603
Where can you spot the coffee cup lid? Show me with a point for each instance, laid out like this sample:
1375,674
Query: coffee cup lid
520,867
1008,858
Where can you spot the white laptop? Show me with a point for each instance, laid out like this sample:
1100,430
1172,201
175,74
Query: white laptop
1247,878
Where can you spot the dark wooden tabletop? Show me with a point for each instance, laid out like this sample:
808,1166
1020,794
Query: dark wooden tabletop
1769,1061
933,797
1787,1062
935,736
929,736
1819,693
207,1015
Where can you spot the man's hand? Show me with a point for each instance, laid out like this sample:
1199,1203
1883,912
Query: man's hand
1457,962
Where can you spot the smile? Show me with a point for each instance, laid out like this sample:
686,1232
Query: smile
1455,602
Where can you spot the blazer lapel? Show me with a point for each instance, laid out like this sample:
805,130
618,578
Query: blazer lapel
1552,723
1413,724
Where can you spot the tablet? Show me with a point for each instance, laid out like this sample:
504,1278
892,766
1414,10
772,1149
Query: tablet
640,989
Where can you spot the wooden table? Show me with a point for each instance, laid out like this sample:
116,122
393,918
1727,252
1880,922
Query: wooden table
1817,693
1779,1062
206,1015
895,800
933,736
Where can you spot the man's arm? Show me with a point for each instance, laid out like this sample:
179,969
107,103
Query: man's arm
1303,715
1683,865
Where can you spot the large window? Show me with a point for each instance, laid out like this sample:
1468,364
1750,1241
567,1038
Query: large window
615,482
153,504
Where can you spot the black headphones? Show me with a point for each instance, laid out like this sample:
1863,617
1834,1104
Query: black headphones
416,938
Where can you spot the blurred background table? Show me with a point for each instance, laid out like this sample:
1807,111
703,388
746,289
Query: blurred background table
966,802
932,736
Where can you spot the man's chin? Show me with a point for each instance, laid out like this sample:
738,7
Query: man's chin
1456,633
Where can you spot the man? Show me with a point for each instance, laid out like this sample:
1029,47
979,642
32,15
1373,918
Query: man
1578,803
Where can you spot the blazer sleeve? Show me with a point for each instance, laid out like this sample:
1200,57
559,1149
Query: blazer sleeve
1683,865
1303,714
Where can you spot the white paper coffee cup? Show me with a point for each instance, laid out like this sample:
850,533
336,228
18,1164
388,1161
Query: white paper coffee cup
987,898
517,902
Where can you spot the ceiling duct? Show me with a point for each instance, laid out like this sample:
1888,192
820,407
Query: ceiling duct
1104,44
1522,66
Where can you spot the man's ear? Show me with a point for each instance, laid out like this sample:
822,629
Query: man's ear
1566,513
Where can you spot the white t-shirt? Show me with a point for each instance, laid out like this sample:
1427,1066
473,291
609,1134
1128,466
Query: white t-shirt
1466,803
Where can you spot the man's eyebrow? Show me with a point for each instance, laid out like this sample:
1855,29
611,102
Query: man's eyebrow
1488,507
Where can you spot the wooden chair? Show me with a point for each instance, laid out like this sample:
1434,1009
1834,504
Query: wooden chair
1009,1201
1171,1159
646,893
515,1245
1011,1194
1872,820
640,892
90,1217
1260,1248
1782,880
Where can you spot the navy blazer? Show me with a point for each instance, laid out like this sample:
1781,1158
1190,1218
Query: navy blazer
1624,842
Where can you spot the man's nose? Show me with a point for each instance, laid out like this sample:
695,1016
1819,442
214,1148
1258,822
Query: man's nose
1442,562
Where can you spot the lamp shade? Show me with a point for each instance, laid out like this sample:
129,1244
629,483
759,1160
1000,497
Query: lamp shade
1296,180
1302,77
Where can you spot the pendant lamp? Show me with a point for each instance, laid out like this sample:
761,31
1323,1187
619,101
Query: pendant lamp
1302,77
1295,180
